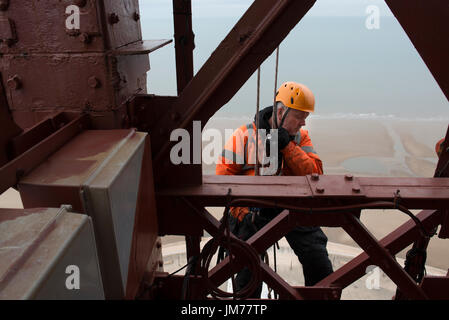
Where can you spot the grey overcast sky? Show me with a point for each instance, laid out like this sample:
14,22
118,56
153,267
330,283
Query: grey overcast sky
235,8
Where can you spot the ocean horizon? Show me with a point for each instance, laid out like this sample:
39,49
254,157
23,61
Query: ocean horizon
354,72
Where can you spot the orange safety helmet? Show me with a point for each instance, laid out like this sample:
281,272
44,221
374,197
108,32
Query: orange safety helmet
296,96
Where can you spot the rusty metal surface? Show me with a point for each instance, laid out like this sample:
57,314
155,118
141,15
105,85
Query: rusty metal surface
40,26
96,69
121,21
415,193
68,168
39,132
436,287
393,242
99,85
145,114
140,47
184,42
341,186
284,222
22,165
444,230
109,84
381,257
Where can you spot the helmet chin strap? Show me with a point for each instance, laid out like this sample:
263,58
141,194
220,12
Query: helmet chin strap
275,117
284,117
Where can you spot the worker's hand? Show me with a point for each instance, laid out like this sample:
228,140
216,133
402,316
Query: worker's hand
283,138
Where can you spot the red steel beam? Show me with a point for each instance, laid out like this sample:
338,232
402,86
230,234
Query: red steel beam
383,258
425,22
275,230
415,193
414,263
12,172
279,285
9,128
184,42
393,242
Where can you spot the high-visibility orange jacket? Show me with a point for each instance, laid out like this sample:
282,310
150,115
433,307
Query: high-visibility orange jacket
238,157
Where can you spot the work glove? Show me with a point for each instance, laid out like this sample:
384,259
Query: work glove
284,138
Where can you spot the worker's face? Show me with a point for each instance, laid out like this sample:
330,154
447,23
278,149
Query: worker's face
294,121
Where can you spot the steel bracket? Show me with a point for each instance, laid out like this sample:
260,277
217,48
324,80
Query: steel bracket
341,186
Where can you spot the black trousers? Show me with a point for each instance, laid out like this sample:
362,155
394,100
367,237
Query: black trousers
308,243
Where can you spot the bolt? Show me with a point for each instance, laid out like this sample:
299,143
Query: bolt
113,18
320,189
158,245
14,82
349,177
85,38
93,82
4,4
136,16
80,3
315,176
356,189
161,263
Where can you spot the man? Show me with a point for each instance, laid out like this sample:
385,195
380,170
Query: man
296,157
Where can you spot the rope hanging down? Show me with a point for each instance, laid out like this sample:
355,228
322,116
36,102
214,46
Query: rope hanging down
274,126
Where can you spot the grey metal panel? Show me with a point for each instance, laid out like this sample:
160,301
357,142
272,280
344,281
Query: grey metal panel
37,246
123,198
110,199
81,252
100,169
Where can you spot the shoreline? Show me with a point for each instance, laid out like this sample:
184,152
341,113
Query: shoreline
365,146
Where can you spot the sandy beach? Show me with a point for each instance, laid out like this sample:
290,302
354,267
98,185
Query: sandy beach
363,147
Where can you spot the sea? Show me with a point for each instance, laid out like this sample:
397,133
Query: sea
354,71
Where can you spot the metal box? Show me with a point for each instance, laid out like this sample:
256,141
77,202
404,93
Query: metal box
48,253
103,173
